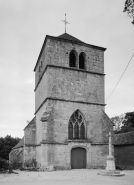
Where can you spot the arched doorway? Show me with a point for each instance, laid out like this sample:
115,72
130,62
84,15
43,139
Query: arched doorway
78,158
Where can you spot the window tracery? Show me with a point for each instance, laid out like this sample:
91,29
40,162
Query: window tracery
76,128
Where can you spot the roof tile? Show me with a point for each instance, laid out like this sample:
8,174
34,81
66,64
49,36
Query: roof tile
20,144
126,138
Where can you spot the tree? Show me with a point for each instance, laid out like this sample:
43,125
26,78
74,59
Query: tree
129,8
123,123
6,145
117,120
128,122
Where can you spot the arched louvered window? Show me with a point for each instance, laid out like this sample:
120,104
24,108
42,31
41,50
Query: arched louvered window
76,127
82,61
72,59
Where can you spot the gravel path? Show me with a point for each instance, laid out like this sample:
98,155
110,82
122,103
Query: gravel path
71,177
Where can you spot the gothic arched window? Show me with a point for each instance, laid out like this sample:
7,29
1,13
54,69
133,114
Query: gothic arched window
82,61
76,127
76,131
70,130
72,59
82,131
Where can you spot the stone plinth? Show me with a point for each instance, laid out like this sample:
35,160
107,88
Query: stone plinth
111,173
110,163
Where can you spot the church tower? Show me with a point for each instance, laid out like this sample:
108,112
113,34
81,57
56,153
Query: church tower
71,125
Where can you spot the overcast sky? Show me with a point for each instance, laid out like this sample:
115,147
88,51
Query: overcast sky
23,27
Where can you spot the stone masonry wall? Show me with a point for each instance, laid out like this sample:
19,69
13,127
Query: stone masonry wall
41,128
59,155
42,91
70,85
29,156
57,53
99,154
30,133
54,131
38,155
75,85
97,124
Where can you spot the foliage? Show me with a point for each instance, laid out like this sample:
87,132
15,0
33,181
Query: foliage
123,123
117,120
31,163
3,164
129,8
128,122
6,145
16,164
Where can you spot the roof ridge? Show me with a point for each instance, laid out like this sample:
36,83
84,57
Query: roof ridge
69,37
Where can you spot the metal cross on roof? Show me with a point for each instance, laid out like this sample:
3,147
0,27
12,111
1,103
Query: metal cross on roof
65,21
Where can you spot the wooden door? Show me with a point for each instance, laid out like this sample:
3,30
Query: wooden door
78,158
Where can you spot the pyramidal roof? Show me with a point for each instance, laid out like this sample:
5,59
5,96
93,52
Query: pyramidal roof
69,37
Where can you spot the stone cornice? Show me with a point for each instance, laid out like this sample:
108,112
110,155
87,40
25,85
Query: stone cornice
52,142
99,143
73,141
30,145
71,101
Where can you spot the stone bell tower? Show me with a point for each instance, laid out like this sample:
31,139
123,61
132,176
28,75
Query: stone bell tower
71,125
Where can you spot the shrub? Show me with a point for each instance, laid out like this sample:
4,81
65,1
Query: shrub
4,164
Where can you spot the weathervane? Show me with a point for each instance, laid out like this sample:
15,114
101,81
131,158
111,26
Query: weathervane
65,21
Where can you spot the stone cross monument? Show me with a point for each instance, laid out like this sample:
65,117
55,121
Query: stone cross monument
110,158
110,167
